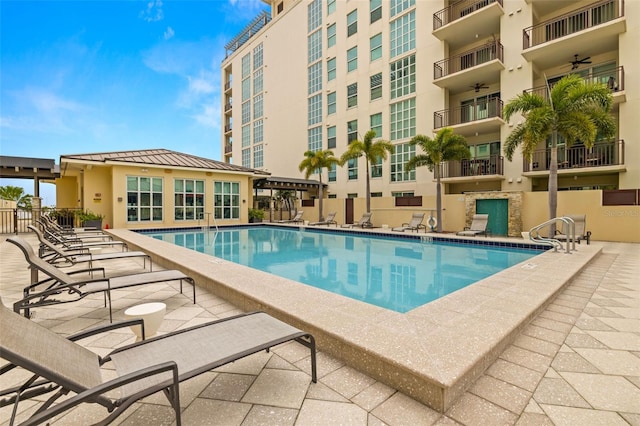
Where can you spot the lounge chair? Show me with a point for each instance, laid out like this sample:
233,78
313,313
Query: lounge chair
57,256
51,223
141,369
478,226
414,225
364,222
61,287
329,220
580,221
71,234
297,218
70,243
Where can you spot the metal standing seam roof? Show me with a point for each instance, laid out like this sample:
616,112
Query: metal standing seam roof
161,157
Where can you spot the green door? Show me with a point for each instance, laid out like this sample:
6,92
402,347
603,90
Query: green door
498,211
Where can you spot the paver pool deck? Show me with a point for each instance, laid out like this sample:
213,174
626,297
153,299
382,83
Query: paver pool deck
555,340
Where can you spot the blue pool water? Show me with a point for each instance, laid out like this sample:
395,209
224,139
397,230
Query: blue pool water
394,273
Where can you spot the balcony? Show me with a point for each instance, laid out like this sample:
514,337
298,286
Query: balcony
228,106
227,85
460,72
477,117
593,29
247,33
228,148
614,79
476,166
228,128
459,23
604,156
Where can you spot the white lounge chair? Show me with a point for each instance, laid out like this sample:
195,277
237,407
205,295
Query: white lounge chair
414,225
329,220
478,226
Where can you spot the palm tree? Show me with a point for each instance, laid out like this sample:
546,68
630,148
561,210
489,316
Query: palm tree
575,109
16,193
373,153
314,162
445,146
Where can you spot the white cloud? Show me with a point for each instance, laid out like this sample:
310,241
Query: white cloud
245,9
153,12
169,33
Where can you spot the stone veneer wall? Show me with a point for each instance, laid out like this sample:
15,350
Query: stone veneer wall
514,205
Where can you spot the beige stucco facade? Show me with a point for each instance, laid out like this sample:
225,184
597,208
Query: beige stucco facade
271,84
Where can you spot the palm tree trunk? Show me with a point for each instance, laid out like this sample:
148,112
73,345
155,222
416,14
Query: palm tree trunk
553,182
368,190
438,199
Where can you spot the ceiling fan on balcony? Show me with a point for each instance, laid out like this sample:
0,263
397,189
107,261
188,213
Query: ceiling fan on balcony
479,86
577,62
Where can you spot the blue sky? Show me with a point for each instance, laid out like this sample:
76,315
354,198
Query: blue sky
87,76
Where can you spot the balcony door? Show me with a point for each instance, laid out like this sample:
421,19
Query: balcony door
479,108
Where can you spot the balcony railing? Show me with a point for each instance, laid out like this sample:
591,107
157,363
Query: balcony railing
228,106
602,154
468,113
228,128
468,59
475,166
570,23
614,79
247,32
227,85
459,10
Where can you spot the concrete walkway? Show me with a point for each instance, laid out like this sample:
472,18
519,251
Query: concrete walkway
577,363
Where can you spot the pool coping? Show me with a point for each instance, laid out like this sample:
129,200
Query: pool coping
432,353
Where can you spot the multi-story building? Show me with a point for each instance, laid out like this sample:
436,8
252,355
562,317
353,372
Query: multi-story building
316,74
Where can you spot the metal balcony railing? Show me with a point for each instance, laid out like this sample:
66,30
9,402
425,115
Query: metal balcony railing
228,106
227,85
459,10
468,59
475,166
228,148
247,32
468,113
614,79
228,128
602,154
573,22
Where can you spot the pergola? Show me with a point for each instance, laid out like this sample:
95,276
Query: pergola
29,168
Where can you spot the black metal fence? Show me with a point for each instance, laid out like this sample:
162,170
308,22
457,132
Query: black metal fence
15,221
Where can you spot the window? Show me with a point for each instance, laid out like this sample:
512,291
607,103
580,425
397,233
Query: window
246,65
257,57
314,46
258,134
246,135
331,35
246,89
352,23
246,157
314,13
257,106
332,173
375,123
403,77
257,81
376,194
315,109
397,6
246,112
352,131
352,195
331,103
331,69
258,158
314,136
331,6
226,200
331,137
376,86
376,168
375,6
314,74
375,46
144,199
352,169
402,194
352,95
280,8
403,119
403,34
401,154
188,199
352,59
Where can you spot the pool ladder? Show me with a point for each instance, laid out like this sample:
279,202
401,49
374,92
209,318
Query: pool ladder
534,234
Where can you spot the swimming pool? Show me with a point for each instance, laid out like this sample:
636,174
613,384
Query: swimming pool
394,273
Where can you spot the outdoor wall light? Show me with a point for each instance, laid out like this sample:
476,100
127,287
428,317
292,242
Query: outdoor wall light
119,199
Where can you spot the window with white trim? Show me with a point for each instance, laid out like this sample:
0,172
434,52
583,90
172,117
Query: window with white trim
226,200
258,159
331,35
352,131
333,173
402,37
314,11
314,78
403,119
331,103
375,47
376,168
314,46
257,81
258,106
246,89
352,169
246,135
188,199
401,155
246,112
375,124
257,57
352,59
331,6
375,83
258,134
314,142
144,199
352,23
246,65
403,77
315,109
331,137
331,69
246,157
398,6
375,6
352,95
